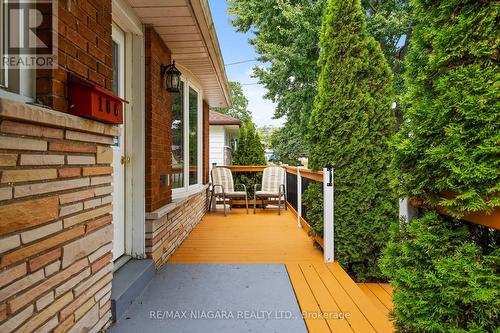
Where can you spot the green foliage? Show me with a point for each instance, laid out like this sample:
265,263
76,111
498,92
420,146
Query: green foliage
265,132
442,282
249,151
313,200
389,22
239,107
287,39
449,143
350,128
289,145
450,139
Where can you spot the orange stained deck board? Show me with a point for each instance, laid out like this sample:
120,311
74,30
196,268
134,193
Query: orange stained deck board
269,238
240,238
381,293
373,298
306,300
357,319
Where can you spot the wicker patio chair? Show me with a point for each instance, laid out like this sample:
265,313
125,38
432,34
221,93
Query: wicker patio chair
273,186
223,187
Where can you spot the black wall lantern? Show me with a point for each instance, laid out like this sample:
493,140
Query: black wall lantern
171,77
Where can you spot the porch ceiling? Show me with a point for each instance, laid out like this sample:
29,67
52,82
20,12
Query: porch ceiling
187,29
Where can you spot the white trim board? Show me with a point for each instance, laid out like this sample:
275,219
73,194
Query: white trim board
126,19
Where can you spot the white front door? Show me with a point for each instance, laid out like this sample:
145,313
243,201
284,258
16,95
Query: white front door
119,153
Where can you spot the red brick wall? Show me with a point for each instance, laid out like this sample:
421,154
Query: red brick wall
158,123
84,29
206,148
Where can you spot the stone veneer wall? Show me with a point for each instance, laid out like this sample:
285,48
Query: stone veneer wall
55,222
167,227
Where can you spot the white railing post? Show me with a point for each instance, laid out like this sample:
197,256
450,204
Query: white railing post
299,198
328,214
214,203
406,211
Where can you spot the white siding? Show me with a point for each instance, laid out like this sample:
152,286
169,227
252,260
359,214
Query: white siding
217,142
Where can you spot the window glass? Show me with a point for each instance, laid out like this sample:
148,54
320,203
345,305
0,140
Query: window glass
115,58
13,79
178,138
116,67
193,137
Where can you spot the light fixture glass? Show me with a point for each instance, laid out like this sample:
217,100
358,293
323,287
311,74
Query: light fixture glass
171,77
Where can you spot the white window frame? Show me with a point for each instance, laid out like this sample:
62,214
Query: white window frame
187,189
18,85
3,71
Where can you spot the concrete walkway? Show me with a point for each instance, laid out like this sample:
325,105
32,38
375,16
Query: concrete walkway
215,298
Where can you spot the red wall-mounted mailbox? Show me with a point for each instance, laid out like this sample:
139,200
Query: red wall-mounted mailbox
91,101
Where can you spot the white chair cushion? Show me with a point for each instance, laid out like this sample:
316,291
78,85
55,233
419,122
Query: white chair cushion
266,194
272,178
236,194
222,176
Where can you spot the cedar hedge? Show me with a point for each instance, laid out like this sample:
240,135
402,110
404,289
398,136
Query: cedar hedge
249,151
441,279
447,153
349,129
450,138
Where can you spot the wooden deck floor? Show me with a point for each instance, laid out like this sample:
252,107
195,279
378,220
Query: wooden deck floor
322,290
380,294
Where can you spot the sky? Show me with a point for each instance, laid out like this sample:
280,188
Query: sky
235,48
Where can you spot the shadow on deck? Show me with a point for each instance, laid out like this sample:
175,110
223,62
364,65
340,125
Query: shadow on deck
328,298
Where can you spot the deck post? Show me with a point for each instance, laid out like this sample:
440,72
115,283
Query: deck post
214,203
328,214
406,211
299,198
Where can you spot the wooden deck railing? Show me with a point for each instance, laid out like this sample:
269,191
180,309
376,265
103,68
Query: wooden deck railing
489,220
296,182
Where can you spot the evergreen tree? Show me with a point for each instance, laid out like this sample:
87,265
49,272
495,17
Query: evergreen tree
350,127
249,151
450,139
445,277
442,280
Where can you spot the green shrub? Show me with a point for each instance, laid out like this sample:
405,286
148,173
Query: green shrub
448,143
313,200
249,151
450,139
442,282
349,129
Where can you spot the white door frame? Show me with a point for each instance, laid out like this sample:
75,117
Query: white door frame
119,150
135,235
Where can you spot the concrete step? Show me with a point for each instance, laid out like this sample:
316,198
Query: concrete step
129,281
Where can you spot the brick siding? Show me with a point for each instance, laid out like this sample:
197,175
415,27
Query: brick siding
166,233
84,48
158,123
55,222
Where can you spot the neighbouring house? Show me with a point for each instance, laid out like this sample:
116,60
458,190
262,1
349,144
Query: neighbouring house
89,210
224,132
269,153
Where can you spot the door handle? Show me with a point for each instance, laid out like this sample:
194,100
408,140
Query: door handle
125,160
